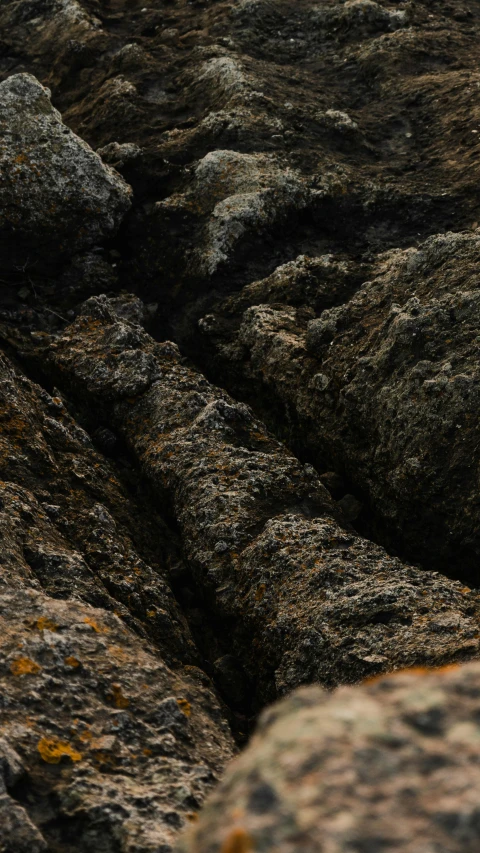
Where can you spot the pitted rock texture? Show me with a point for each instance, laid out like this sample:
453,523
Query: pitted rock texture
244,196
80,533
102,745
390,766
56,195
384,383
294,222
302,597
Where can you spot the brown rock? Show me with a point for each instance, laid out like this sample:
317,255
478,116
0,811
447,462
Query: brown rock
301,597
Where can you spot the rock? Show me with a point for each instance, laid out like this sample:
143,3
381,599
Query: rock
350,506
259,530
388,765
82,758
355,18
238,197
394,365
118,155
79,532
56,195
302,248
84,275
77,694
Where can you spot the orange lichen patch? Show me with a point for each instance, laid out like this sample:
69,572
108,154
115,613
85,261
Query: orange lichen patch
53,750
46,624
147,752
117,698
185,707
151,613
413,670
72,661
24,666
237,841
104,761
192,816
96,627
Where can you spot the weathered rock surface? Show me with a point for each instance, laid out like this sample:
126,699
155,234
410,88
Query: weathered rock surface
302,597
82,533
304,227
56,195
384,384
101,742
390,766
102,745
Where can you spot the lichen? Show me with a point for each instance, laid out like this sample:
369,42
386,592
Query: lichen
53,750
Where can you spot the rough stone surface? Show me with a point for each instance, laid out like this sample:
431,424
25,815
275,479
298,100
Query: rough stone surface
390,374
390,766
251,458
102,745
56,195
304,598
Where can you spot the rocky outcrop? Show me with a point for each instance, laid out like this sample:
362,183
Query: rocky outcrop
248,461
259,530
391,376
391,766
56,195
101,743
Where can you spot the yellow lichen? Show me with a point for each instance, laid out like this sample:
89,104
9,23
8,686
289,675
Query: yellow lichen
46,624
53,750
94,625
185,707
86,736
72,661
24,666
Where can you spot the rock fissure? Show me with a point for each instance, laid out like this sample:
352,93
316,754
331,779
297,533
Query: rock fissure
239,329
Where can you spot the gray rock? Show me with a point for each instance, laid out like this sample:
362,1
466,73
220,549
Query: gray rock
56,195
389,766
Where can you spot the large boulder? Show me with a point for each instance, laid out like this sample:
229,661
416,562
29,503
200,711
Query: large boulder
57,197
389,767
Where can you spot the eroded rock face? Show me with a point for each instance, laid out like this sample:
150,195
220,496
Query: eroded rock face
56,195
259,529
391,765
101,743
181,520
90,704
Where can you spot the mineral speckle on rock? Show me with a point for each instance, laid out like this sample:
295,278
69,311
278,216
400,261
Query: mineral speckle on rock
239,445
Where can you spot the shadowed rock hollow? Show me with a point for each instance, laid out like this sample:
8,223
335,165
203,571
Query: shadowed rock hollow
239,443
